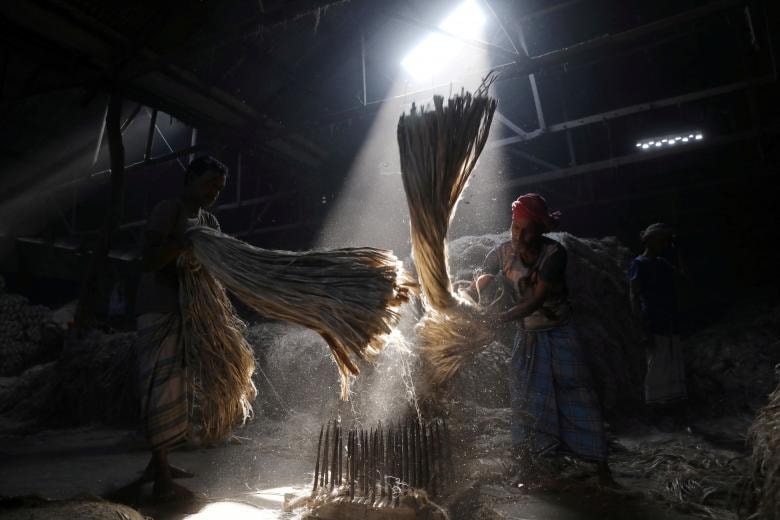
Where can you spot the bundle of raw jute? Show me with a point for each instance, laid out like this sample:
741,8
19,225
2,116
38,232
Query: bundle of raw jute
220,359
349,296
439,149
764,439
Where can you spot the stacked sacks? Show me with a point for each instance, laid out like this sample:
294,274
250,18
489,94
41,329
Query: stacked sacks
730,364
611,336
87,381
93,380
23,398
596,276
21,332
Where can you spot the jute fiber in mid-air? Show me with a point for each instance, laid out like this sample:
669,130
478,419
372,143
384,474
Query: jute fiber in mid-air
439,148
349,296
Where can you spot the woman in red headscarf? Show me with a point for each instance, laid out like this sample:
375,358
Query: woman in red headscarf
554,404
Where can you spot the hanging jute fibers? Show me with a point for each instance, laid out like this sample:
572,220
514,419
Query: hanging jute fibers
439,148
220,360
349,296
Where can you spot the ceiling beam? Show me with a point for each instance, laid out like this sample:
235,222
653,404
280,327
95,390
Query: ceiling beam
523,67
548,10
559,56
93,51
633,109
436,29
633,158
250,27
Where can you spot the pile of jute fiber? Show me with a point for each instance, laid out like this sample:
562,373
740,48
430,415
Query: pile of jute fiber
439,148
349,296
764,439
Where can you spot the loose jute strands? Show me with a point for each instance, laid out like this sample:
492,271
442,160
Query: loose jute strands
439,148
349,296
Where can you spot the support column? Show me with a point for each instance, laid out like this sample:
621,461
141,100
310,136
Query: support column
98,264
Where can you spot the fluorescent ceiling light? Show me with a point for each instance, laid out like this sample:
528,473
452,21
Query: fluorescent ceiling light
669,140
437,50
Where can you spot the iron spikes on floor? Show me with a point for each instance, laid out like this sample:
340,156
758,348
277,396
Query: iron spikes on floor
381,464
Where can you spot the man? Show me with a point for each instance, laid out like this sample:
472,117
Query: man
165,404
653,296
554,405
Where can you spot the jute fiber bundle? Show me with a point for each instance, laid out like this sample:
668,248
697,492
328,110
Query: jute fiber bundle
349,296
439,149
221,361
764,439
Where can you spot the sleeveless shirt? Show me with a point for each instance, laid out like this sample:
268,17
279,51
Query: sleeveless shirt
550,266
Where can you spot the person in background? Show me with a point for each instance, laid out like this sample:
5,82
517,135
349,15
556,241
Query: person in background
554,404
653,294
165,405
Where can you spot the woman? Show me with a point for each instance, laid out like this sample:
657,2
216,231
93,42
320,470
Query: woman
161,362
554,405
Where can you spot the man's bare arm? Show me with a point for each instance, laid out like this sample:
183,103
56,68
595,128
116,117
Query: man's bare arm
163,252
164,243
633,294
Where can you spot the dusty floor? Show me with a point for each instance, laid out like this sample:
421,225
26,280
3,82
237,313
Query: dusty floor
255,469
249,477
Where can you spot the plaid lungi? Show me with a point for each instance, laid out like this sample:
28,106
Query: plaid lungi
553,401
162,380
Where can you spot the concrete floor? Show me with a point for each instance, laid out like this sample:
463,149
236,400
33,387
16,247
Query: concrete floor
249,477
252,473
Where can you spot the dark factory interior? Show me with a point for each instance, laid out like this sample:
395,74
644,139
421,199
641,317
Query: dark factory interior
362,259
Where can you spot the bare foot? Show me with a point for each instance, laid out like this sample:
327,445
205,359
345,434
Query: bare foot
605,476
175,472
170,492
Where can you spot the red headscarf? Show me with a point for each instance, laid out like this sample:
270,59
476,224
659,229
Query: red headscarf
534,207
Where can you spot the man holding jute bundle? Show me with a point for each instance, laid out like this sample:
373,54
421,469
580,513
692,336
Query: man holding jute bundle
165,399
554,404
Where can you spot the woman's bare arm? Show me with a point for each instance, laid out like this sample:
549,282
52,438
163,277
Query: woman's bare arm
529,305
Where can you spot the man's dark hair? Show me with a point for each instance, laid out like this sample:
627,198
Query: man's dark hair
204,164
